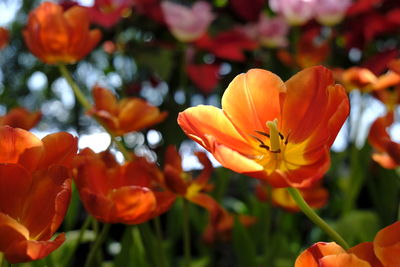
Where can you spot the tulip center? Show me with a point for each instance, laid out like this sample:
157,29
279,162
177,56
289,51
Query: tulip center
275,147
274,136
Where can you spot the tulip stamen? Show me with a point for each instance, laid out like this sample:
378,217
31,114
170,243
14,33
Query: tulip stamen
275,136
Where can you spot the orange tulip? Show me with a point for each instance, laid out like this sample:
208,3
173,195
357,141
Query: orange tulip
356,78
384,251
271,130
181,183
114,193
4,37
55,36
128,115
35,189
387,152
316,197
21,118
323,254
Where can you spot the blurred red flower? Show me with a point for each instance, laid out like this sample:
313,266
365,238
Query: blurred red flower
108,12
4,37
204,76
228,45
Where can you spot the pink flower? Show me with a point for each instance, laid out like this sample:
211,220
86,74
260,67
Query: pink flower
270,32
296,12
187,24
331,12
108,12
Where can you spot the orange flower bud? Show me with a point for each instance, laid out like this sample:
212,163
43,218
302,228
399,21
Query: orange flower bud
55,36
34,193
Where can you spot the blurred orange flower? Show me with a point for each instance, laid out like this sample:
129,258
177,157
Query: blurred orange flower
55,36
182,184
21,118
387,152
128,115
34,193
4,37
384,251
114,193
316,197
271,130
356,78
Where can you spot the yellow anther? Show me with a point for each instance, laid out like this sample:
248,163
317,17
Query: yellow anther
275,140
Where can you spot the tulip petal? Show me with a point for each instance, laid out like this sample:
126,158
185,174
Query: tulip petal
136,115
344,259
29,250
311,256
252,99
173,158
15,183
365,251
387,245
305,102
47,202
19,145
133,205
11,231
203,121
105,100
59,148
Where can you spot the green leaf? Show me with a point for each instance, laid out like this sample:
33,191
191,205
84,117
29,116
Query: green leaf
243,245
358,226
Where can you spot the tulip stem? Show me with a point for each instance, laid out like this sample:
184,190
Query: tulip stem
159,235
78,241
186,233
310,213
77,91
90,261
87,106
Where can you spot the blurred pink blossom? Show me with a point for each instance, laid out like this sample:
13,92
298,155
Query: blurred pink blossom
187,24
269,32
331,12
108,12
296,12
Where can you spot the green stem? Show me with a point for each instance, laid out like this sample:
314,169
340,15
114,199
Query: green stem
78,240
77,91
3,261
159,236
96,246
310,213
87,106
186,233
